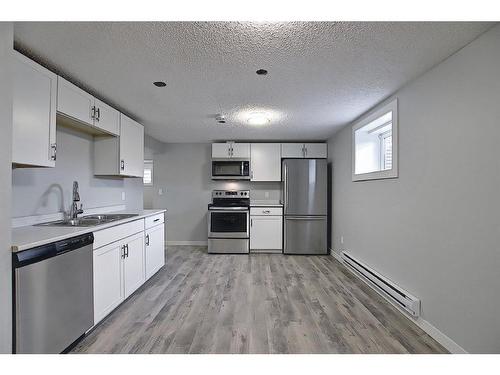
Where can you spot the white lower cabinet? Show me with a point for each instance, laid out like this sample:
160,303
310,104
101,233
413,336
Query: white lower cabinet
155,249
108,291
133,263
119,267
266,230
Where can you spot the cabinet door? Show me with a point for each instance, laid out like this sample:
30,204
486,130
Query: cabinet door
155,249
133,263
221,150
131,147
108,292
292,150
240,150
73,102
34,114
266,161
266,233
107,118
315,150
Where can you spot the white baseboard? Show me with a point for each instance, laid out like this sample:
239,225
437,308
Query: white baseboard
427,327
188,243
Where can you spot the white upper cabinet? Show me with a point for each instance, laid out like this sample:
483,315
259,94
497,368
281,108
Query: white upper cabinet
131,147
106,118
240,150
265,161
315,150
292,150
74,103
304,150
34,114
221,150
231,150
123,155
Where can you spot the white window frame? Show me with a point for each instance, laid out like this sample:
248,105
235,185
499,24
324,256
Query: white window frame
383,137
366,119
152,172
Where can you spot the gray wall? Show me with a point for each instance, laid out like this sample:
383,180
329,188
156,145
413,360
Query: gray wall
38,191
6,41
436,229
183,172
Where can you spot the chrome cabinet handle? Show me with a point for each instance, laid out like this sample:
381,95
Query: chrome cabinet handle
122,165
126,253
98,114
251,222
123,251
147,239
53,147
266,211
92,112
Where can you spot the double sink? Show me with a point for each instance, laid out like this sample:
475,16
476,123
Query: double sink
88,221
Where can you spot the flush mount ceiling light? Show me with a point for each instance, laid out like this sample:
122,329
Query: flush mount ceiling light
258,118
159,84
261,72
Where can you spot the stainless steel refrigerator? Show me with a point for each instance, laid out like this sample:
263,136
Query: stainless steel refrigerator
305,206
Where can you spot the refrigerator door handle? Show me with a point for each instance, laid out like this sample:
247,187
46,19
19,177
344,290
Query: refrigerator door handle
285,180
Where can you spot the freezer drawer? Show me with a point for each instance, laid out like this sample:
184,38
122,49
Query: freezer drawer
305,235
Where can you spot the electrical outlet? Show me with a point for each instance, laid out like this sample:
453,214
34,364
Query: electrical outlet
123,195
266,194
342,239
160,191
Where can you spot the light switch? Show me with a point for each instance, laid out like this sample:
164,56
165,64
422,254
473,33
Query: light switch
123,195
341,239
160,191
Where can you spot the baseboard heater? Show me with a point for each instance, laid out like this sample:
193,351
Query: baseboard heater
386,287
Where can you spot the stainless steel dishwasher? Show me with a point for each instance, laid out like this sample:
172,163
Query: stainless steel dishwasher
53,295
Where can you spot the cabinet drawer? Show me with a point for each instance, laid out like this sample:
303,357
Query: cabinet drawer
116,233
266,211
151,221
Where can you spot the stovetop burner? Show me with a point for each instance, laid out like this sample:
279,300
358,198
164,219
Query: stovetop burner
230,198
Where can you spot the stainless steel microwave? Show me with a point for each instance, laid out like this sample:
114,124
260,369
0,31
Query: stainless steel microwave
230,169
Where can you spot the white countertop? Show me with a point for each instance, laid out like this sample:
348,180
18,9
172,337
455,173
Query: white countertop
31,236
265,203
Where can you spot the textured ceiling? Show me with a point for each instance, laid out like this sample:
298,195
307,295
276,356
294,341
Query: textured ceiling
321,75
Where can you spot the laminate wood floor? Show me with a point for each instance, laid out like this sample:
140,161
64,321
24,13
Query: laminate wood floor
262,303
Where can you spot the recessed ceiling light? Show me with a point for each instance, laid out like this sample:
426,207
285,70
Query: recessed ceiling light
261,72
159,84
258,118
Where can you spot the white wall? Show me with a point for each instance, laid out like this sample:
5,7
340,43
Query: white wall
183,171
436,229
38,191
6,41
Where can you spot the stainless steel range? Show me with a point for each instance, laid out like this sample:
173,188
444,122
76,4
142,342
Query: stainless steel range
228,222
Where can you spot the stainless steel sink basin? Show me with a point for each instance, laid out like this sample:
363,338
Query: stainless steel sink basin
88,221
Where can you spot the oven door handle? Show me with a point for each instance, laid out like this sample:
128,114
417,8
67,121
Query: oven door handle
228,209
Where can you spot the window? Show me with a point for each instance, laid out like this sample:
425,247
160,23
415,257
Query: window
374,145
148,173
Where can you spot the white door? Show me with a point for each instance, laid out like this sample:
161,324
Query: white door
292,150
221,150
107,118
108,292
133,263
240,150
266,233
266,161
131,147
315,150
155,249
34,114
73,102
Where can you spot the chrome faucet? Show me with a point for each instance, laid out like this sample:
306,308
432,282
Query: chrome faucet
74,211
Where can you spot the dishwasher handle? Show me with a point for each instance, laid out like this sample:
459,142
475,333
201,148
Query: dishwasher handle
37,254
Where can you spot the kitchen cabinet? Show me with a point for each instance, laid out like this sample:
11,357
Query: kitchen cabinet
34,114
78,105
265,160
133,263
231,150
108,292
154,249
304,150
266,229
121,156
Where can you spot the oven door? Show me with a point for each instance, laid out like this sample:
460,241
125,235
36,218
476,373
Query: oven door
230,169
228,223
